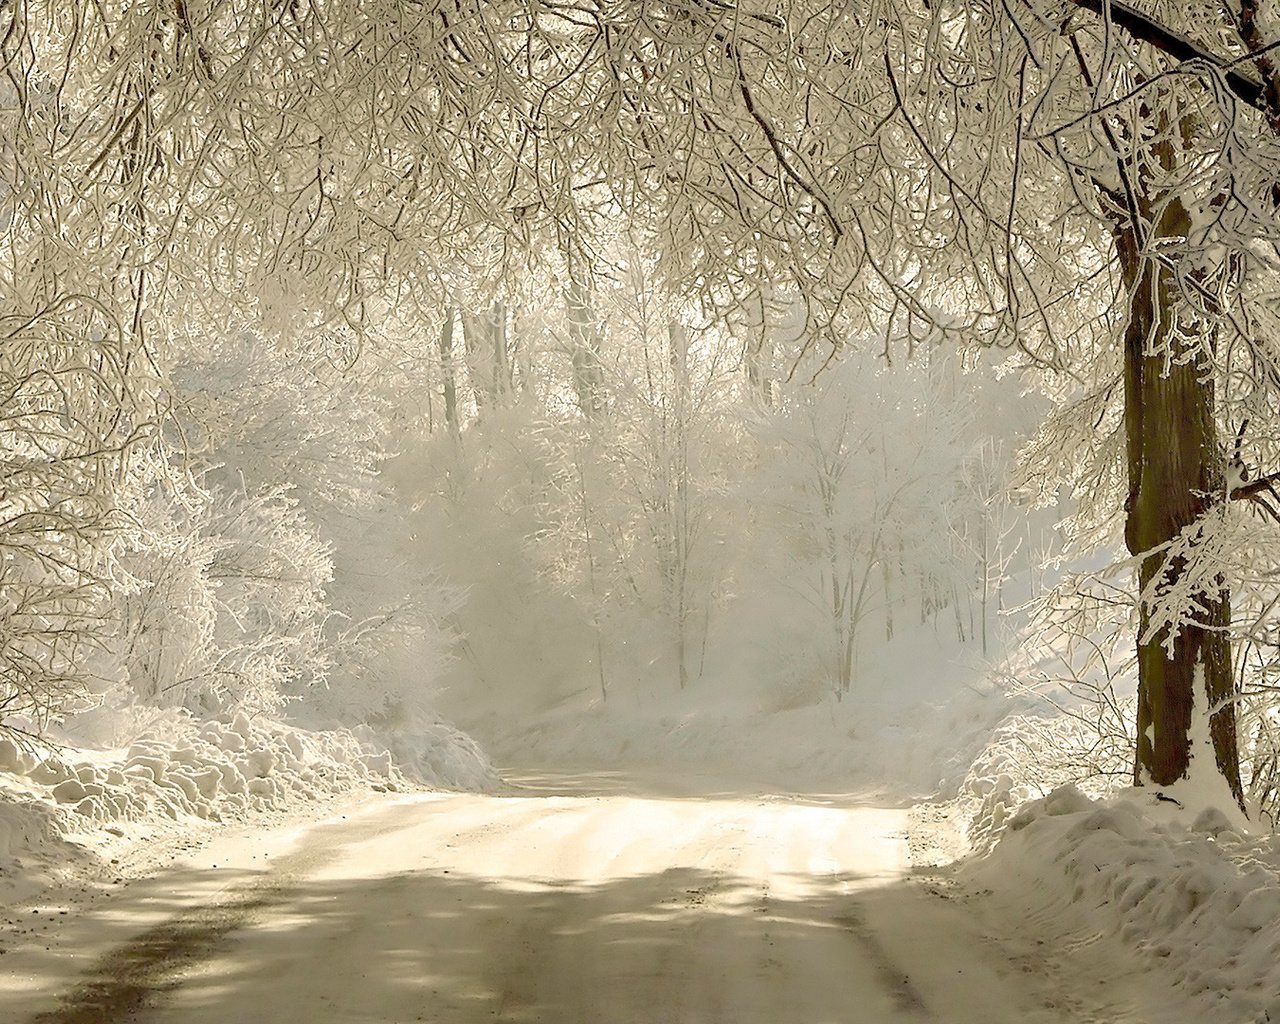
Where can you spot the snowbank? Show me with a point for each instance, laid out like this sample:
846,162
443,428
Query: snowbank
1189,890
438,754
904,749
59,806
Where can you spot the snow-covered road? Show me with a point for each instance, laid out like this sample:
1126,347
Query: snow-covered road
600,899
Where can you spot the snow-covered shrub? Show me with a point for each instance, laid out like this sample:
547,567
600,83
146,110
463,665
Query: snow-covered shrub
1244,542
269,571
1030,755
317,591
64,431
221,602
164,600
1073,675
53,613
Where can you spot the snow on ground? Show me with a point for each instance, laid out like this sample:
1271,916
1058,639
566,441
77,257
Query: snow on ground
1021,799
1047,831
825,745
907,739
74,818
609,897
1047,870
1188,891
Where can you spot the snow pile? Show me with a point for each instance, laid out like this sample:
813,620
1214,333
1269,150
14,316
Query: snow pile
437,753
1192,891
231,765
55,805
27,824
1030,755
226,766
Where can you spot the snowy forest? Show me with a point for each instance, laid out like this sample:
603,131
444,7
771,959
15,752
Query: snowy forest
847,428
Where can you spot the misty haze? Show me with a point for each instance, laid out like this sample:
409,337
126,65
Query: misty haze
639,511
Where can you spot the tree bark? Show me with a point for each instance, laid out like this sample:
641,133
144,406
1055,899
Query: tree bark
584,350
447,372
1149,29
1174,469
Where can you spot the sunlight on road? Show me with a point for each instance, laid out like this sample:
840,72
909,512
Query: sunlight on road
563,903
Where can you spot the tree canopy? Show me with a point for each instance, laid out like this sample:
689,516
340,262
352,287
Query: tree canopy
1089,184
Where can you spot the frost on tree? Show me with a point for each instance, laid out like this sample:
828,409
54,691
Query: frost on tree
1083,183
1114,169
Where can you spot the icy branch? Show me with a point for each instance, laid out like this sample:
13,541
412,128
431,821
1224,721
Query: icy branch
1143,27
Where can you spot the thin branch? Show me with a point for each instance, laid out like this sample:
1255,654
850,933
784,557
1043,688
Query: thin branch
1165,39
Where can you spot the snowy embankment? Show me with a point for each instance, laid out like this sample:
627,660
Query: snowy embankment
834,747
68,813
1182,877
912,739
1194,892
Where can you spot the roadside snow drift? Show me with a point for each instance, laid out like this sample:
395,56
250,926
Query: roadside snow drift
1189,890
222,769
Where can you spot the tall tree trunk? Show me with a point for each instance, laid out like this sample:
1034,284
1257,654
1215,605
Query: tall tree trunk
448,373
758,354
678,355
479,367
502,379
1174,467
485,337
520,355
585,509
584,348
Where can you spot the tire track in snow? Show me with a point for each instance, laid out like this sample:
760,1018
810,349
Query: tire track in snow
894,980
136,974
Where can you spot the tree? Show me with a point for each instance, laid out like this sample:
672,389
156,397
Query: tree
1111,180
584,342
861,474
1179,311
1194,305
1095,193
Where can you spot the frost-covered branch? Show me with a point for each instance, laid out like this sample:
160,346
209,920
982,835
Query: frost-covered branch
1168,40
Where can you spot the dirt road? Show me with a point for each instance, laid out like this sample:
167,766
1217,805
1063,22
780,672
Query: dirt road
590,900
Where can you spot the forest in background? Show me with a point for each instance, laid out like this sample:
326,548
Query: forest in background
547,496
549,347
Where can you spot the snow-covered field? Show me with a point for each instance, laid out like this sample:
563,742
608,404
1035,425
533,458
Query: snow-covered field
820,746
927,709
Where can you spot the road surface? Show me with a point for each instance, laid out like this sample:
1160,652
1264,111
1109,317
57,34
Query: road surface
600,899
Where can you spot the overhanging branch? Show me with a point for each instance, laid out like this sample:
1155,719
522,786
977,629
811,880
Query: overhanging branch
1146,29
